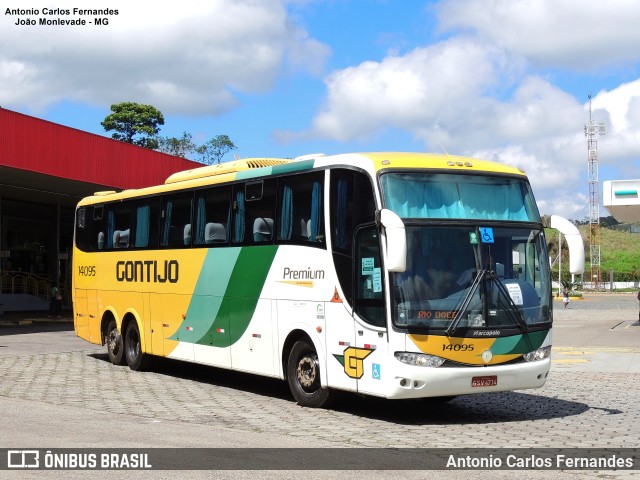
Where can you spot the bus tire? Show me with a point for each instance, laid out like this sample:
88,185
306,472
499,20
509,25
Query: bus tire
303,376
133,347
115,344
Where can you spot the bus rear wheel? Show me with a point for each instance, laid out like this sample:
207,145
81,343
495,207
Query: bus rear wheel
115,345
303,375
136,359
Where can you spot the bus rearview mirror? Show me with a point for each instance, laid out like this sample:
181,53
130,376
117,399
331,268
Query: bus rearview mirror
396,240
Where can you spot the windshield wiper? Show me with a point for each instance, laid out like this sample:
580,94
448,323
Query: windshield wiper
480,277
465,302
522,323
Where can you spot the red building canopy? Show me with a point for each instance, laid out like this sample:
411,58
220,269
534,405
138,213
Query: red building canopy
42,147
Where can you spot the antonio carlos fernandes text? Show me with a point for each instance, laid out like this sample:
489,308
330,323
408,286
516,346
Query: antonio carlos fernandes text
60,11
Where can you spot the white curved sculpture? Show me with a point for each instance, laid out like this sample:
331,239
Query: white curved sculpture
574,240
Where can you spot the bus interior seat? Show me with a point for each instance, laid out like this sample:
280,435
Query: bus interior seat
262,229
215,233
121,238
100,240
187,234
307,234
305,229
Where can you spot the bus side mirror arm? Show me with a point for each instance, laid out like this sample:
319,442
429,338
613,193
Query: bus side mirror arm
396,245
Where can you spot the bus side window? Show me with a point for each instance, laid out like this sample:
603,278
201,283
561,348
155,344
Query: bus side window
98,228
118,225
146,225
300,209
351,204
83,229
254,212
369,301
238,214
212,216
176,221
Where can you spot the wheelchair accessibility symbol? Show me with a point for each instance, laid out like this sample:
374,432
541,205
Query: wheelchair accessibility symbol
375,372
486,233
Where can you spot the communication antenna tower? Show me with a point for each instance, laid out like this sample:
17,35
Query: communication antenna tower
591,131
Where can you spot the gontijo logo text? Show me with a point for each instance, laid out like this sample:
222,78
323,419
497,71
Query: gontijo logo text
152,271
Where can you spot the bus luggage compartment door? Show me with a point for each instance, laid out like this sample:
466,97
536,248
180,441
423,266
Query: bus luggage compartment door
81,314
372,348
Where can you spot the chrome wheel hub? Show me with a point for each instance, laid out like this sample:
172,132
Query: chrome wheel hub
307,371
113,340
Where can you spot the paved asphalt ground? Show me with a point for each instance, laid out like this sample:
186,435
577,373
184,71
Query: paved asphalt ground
57,391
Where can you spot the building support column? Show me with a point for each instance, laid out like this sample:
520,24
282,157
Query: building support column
54,246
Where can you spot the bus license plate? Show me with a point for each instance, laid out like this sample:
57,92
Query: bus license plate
488,381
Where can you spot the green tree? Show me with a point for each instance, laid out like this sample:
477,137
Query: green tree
134,123
180,147
216,148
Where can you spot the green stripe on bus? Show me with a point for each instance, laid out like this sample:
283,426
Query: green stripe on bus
216,271
210,289
275,170
227,292
293,167
519,344
253,173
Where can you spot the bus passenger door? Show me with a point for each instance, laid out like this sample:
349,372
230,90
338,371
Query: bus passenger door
340,342
371,353
372,348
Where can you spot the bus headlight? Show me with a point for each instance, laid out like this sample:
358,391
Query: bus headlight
419,359
539,354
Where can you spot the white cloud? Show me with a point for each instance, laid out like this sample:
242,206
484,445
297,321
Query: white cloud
560,33
620,106
554,152
554,171
187,57
477,92
449,95
424,87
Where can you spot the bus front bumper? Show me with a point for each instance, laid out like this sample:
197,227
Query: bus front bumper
418,382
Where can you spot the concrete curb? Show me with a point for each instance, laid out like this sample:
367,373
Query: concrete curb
19,321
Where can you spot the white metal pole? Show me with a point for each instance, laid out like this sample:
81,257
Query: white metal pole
559,263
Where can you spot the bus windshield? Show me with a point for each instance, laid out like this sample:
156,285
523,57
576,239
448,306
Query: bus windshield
469,196
455,278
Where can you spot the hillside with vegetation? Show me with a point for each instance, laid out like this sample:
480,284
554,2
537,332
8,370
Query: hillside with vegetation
619,251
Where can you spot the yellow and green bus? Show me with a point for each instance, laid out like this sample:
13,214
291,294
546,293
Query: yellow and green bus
397,275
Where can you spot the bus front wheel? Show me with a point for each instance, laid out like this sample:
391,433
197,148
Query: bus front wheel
303,375
115,345
133,347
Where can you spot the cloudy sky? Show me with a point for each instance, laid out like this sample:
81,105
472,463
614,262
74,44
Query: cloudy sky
506,80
